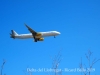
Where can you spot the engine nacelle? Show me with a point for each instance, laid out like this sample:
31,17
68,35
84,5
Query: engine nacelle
41,39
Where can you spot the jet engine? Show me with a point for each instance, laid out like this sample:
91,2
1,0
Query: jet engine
41,39
38,39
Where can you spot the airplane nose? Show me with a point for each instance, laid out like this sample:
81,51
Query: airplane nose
59,33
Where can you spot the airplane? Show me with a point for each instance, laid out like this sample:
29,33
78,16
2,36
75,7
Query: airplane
38,36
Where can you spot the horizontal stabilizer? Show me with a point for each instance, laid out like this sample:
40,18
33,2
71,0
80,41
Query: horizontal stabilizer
13,34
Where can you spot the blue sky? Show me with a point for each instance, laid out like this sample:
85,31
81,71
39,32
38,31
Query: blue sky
77,20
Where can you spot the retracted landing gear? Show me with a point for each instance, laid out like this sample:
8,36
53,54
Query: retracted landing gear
35,40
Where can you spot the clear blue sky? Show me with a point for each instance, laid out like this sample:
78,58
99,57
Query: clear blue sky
77,20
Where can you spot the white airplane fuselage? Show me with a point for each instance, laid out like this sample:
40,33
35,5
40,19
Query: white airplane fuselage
37,36
43,34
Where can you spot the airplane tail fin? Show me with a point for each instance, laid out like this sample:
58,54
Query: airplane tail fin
13,34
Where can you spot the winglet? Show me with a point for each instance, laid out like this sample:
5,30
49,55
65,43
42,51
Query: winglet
26,25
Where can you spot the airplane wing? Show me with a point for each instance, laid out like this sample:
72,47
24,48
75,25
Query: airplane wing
34,33
31,30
